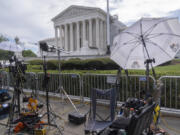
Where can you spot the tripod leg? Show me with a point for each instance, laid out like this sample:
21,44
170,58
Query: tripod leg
11,114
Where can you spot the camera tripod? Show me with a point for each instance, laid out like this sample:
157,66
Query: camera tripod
60,88
51,116
18,72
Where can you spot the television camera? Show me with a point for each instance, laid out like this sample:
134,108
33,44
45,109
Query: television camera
46,48
16,65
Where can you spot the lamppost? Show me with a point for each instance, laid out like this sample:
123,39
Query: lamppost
108,29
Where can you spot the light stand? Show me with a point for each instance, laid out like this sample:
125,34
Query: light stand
59,66
49,113
108,29
147,62
60,88
45,86
18,72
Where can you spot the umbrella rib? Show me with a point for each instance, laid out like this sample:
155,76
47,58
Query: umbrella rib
148,32
130,41
131,53
162,34
151,28
132,34
149,41
127,43
118,47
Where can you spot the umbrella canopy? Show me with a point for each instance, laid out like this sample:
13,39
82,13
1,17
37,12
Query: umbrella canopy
10,46
148,38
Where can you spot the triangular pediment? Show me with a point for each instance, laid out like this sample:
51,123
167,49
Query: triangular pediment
74,11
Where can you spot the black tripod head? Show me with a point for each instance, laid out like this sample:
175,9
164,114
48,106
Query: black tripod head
148,61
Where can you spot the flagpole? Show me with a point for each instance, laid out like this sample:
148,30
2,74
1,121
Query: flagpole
108,29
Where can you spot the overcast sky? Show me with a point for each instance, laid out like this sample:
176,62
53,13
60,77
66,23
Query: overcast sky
30,20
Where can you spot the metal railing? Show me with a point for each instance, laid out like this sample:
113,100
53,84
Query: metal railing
4,79
130,86
170,96
77,85
70,82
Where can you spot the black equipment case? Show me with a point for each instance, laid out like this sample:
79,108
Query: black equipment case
76,118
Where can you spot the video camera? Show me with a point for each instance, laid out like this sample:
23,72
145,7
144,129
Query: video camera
45,47
17,66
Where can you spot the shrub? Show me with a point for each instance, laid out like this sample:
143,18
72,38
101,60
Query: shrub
109,64
101,64
88,64
73,64
52,64
93,64
35,62
28,53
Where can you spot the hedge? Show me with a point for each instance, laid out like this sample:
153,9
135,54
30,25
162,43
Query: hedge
35,62
88,64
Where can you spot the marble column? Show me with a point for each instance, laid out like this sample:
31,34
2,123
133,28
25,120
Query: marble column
63,36
56,36
66,37
71,37
90,32
78,36
84,33
105,36
60,36
101,34
97,33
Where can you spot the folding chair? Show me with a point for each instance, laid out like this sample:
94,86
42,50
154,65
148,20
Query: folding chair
93,125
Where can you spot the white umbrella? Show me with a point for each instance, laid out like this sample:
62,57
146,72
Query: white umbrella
10,46
148,38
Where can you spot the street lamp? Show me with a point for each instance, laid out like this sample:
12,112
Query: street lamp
108,29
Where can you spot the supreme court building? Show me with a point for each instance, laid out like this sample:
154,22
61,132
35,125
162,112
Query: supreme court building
81,31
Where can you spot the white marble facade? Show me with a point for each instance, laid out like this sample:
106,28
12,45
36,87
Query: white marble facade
82,30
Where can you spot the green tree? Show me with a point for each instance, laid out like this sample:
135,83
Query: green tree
2,38
28,53
5,55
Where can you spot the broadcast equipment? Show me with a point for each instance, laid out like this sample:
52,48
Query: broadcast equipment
28,122
4,110
17,71
76,118
4,95
147,62
17,67
73,117
50,115
44,47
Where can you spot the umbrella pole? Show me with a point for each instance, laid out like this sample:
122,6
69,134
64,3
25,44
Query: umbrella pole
108,29
147,62
147,75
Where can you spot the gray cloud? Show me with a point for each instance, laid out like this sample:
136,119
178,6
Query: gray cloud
30,20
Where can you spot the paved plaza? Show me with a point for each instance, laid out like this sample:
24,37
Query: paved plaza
62,108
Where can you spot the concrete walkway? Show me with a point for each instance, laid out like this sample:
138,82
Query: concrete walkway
169,124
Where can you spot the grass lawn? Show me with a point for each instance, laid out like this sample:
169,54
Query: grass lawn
161,70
